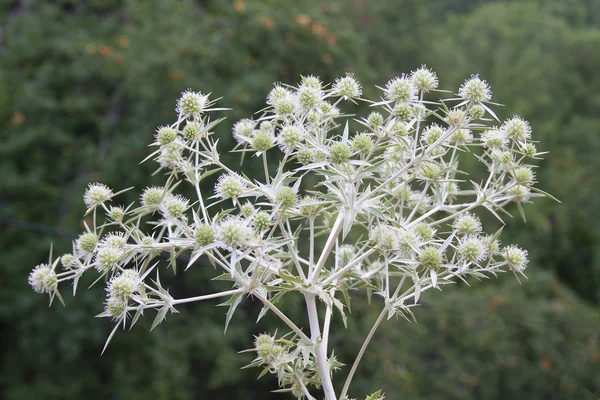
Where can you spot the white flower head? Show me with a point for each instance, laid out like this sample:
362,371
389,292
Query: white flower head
475,90
243,129
96,194
230,186
43,279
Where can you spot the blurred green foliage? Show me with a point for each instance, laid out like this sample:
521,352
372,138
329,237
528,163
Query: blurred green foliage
85,84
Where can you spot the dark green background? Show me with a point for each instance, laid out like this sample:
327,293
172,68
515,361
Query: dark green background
83,86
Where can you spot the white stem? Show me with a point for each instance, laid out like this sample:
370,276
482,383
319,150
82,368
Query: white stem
320,351
335,231
208,296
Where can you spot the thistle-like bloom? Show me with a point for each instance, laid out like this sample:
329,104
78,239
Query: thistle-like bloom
262,221
86,243
339,153
174,206
262,140
383,236
473,249
191,104
461,137
494,139
165,135
347,87
424,79
432,134
194,131
290,136
430,258
234,232
242,130
96,194
107,258
362,143
205,235
517,129
515,257
43,279
124,285
475,90
466,224
115,307
230,186
286,197
400,89
152,197
68,261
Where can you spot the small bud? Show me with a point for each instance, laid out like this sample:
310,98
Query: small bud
205,235
456,117
475,89
400,89
290,136
43,279
375,119
383,236
347,87
116,307
404,111
86,243
304,157
524,175
191,104
166,135
96,194
264,345
247,209
431,171
230,186
466,224
529,149
68,261
430,258
425,232
477,111
152,197
424,79
520,193
494,139
117,214
432,134
461,137
262,221
493,245
339,153
262,141
194,131
310,207
286,197
362,143
515,257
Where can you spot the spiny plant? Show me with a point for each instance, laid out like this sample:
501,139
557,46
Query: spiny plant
397,215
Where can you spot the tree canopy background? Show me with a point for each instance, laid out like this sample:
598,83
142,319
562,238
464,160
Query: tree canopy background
83,86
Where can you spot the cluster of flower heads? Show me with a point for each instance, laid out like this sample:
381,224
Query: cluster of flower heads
385,191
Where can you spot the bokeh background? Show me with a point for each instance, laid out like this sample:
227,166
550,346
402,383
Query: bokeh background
84,84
